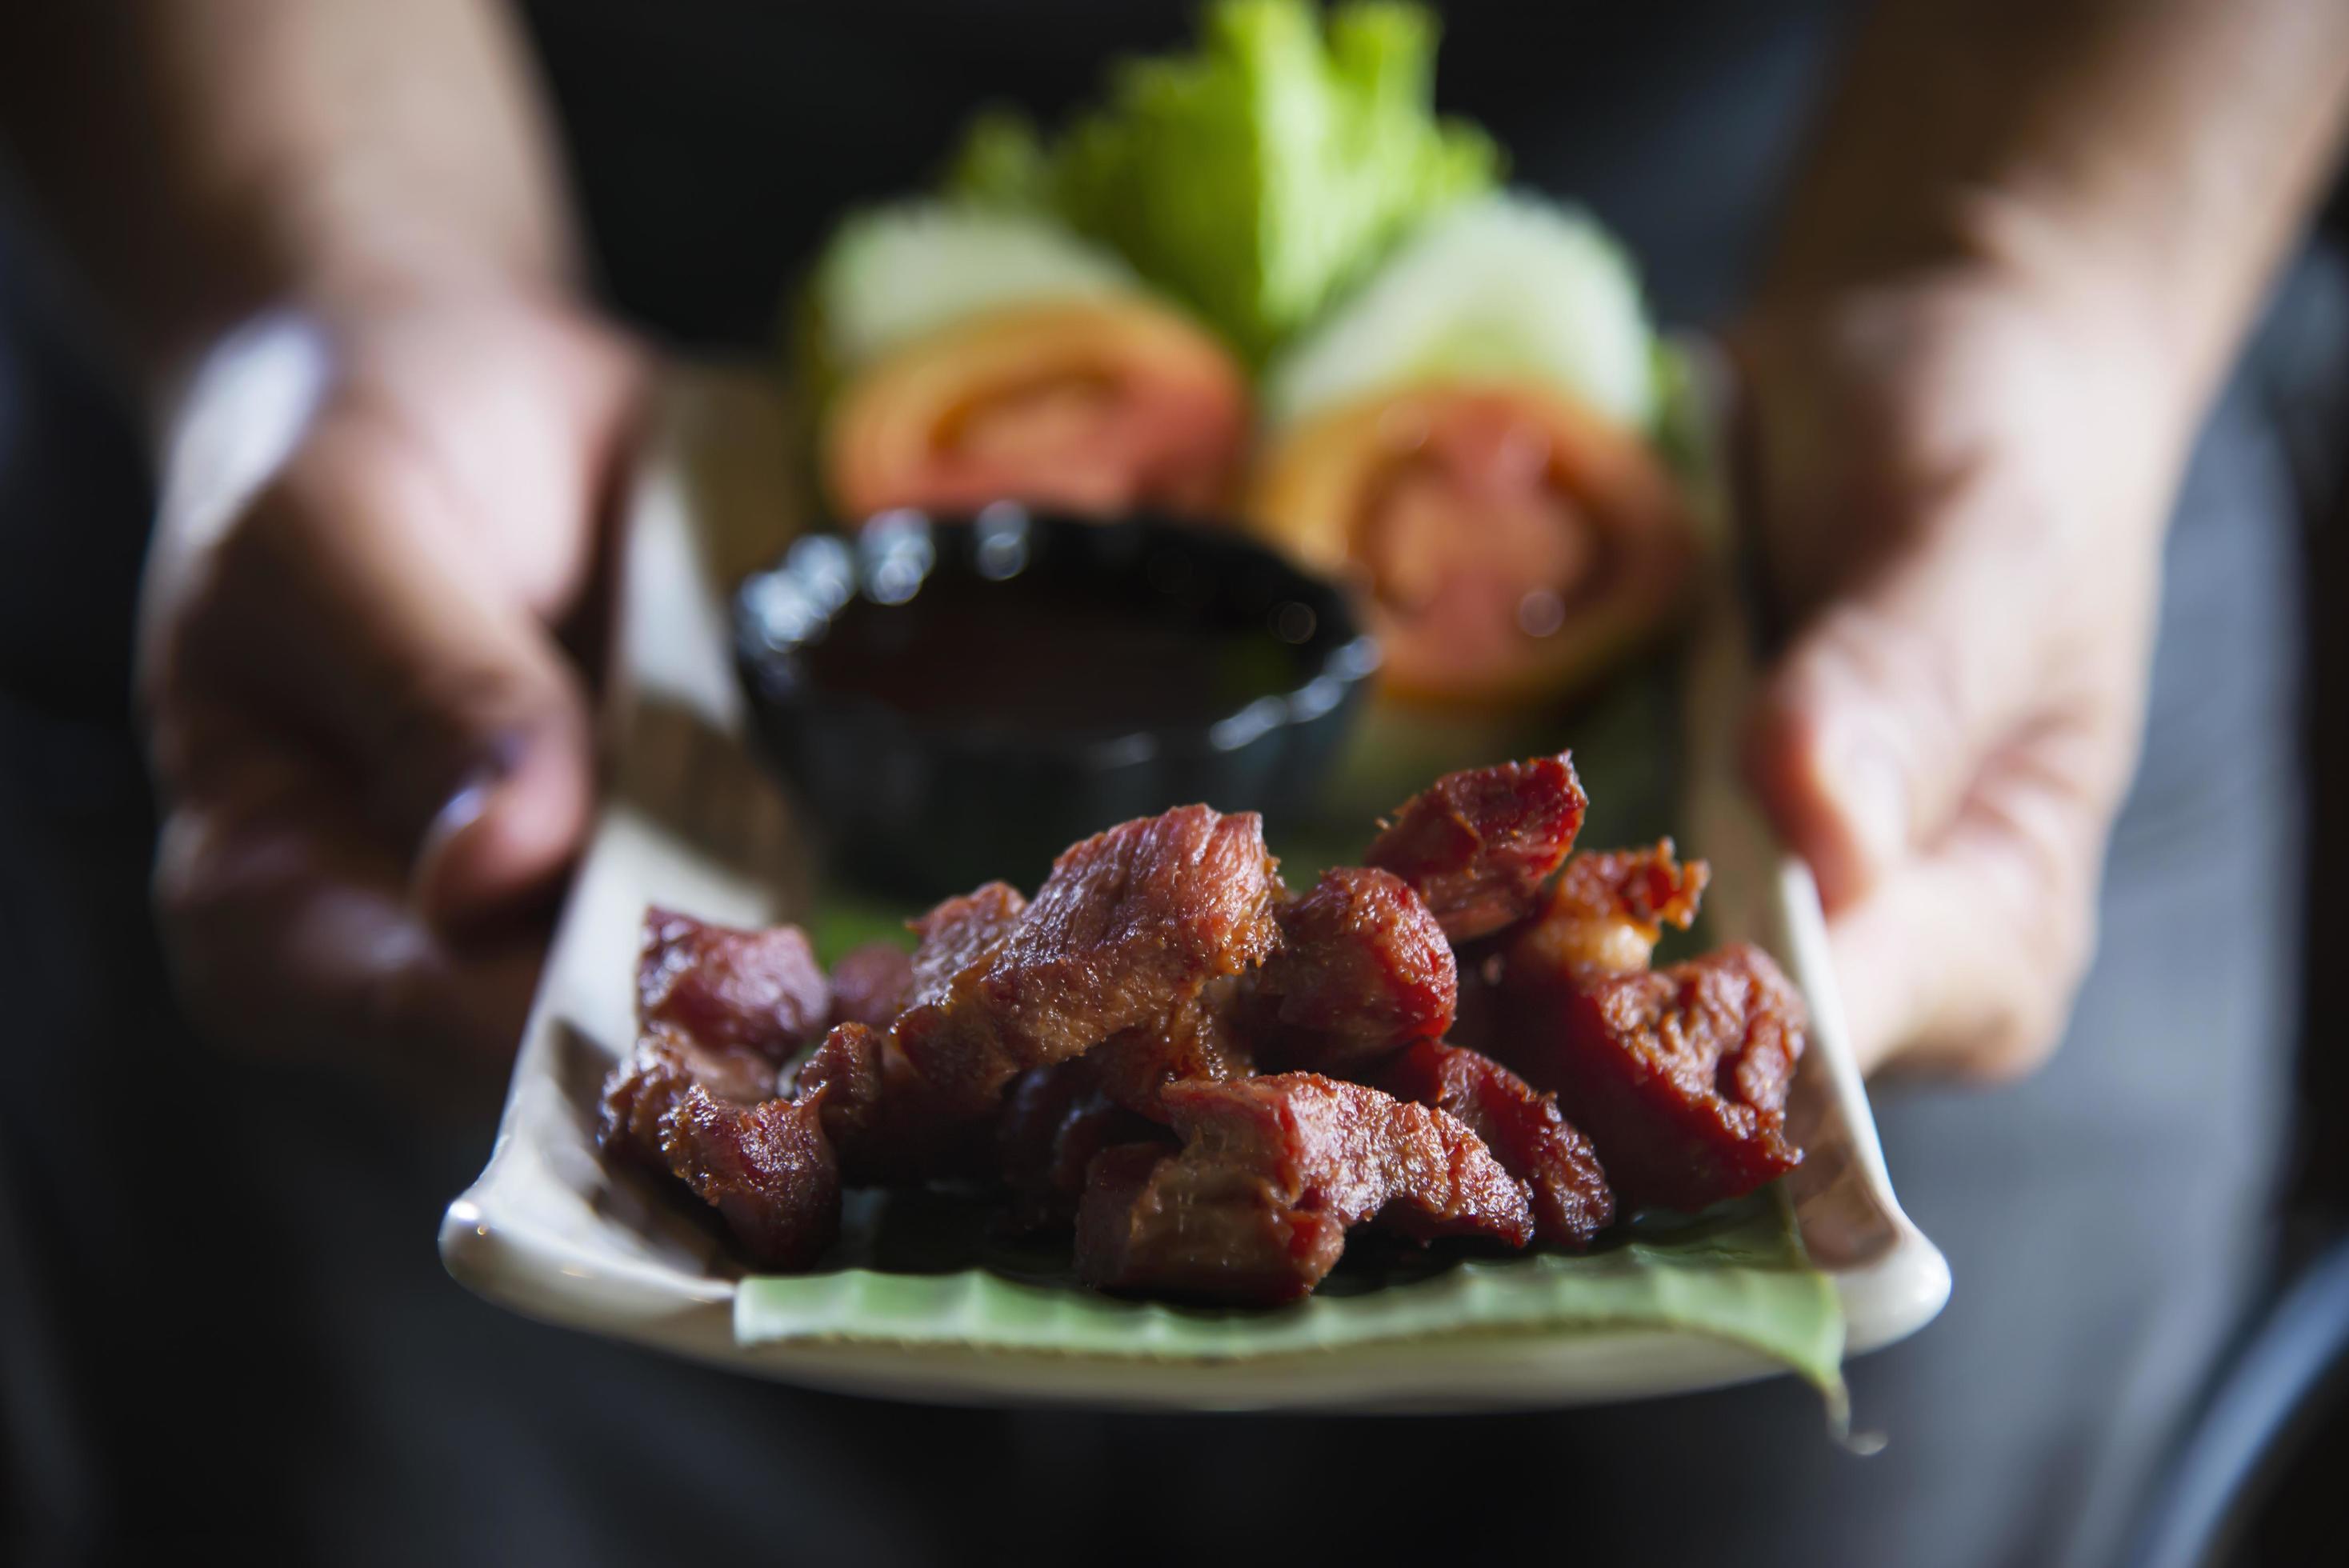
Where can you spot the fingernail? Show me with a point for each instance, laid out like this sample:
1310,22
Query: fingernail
460,811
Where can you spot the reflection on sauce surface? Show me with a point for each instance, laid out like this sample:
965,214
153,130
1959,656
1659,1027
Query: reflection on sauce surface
1050,653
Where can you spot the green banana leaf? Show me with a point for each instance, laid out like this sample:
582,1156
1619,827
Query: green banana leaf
916,1269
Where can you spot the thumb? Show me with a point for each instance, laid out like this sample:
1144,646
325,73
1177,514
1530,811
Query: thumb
509,824
1866,737
467,727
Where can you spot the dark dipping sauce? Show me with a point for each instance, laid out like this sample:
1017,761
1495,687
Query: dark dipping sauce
1057,653
960,700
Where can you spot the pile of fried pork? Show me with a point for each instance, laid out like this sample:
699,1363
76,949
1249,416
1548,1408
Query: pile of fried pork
1212,1079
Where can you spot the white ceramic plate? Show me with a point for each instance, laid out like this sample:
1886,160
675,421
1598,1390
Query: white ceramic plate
693,823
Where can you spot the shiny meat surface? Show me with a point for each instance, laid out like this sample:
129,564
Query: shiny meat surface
1272,1172
1678,1074
1198,1040
960,935
1522,1126
1195,1229
1055,1119
884,1120
1129,928
1465,1039
1478,845
709,1116
1608,909
871,985
1362,970
888,1122
759,989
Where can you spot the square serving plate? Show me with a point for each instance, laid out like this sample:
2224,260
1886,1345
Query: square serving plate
692,822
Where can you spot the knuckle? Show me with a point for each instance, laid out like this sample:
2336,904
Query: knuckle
1914,676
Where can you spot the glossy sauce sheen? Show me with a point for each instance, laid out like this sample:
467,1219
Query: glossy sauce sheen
1040,656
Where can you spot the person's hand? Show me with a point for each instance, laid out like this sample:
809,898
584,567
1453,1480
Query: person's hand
372,748
1962,483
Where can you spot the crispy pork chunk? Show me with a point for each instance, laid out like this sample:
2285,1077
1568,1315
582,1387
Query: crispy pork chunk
759,989
1678,1074
1362,971
1129,928
1200,1039
961,935
698,1099
884,1120
709,1115
1608,909
1055,1119
1272,1172
1522,1126
1478,845
887,1121
1466,1040
871,985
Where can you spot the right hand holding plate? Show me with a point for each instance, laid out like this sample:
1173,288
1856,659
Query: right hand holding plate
1962,483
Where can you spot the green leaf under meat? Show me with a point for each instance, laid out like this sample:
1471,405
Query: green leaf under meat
1735,1273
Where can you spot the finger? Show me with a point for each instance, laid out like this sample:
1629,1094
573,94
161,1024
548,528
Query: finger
352,592
1965,960
1869,735
290,934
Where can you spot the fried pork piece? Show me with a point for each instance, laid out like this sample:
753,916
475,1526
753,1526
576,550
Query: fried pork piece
1521,1126
1197,1040
886,1122
871,985
762,990
1478,845
1362,970
709,1115
1678,1074
1129,928
1272,1172
1168,1225
1609,907
1055,1119
959,935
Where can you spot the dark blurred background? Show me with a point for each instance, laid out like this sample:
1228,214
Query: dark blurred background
220,1310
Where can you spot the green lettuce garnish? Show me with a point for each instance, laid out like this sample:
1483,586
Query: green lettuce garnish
1254,179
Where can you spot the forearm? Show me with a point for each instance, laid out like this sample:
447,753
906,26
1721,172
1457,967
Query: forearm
200,160
2151,157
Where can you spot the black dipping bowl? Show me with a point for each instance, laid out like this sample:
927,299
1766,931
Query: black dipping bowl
957,701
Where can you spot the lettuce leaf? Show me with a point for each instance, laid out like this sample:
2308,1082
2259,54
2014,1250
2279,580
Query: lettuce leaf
1254,179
